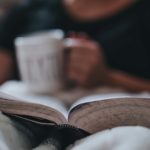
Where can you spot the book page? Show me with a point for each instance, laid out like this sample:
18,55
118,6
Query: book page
70,96
98,97
107,113
18,91
34,105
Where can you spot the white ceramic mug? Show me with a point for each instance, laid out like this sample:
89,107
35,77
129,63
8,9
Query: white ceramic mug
40,60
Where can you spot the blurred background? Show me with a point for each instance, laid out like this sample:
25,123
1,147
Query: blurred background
5,5
121,29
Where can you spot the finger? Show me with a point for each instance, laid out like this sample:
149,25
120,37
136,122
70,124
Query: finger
84,56
80,68
73,34
80,35
83,36
73,42
77,77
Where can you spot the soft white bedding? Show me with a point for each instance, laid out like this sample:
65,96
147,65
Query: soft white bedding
120,138
10,137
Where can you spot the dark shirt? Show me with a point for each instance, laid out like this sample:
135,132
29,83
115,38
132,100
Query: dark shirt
124,37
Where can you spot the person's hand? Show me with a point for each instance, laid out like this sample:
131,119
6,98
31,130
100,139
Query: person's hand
86,65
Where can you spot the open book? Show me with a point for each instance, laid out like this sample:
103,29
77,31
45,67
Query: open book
86,116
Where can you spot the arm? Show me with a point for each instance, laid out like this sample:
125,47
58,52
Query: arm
88,68
10,27
129,82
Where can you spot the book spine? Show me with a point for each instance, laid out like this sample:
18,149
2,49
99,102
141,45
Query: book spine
69,134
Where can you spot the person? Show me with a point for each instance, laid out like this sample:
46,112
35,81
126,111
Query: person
112,45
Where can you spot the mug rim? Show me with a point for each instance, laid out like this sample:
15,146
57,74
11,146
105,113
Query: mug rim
37,38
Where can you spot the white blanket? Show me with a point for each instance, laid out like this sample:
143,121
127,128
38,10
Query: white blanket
120,138
10,137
